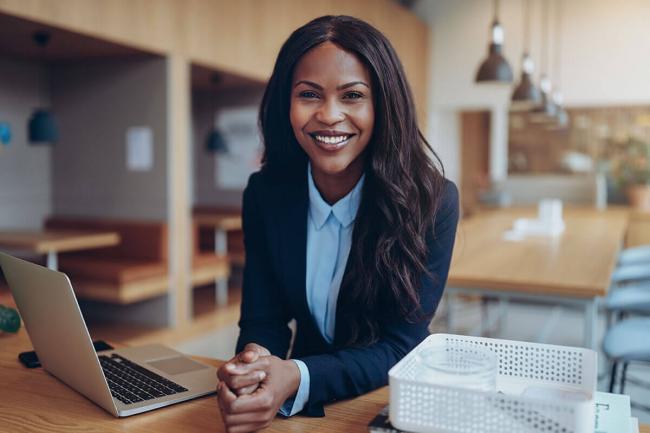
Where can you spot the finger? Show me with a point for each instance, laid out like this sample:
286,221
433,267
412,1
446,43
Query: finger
241,368
225,397
257,348
248,418
260,400
246,390
248,356
247,428
240,381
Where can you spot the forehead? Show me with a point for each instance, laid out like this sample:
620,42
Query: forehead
329,64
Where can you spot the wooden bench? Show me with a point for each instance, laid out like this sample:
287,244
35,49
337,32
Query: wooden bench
134,270
206,236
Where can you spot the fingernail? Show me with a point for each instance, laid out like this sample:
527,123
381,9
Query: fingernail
262,375
230,367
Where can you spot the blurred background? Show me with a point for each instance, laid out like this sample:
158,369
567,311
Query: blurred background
128,130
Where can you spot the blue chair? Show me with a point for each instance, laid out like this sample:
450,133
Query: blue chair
635,255
625,342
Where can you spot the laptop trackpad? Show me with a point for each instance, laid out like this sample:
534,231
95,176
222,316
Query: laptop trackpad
176,365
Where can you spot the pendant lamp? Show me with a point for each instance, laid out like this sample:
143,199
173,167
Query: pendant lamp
546,110
215,142
495,67
5,133
562,117
526,94
42,128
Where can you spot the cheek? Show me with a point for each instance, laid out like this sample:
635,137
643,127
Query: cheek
298,117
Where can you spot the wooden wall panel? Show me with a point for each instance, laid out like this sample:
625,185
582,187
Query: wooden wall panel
242,37
145,24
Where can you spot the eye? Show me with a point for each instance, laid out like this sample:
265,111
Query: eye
308,94
353,95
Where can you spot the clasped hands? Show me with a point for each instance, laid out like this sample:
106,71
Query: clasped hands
252,386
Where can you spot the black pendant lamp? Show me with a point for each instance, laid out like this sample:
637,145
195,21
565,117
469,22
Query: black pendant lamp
42,128
526,94
215,142
495,67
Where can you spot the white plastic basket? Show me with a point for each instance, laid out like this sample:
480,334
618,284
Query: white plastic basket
562,373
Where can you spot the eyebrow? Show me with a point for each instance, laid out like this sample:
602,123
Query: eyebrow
341,87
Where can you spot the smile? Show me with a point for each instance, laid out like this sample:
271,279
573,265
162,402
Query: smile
330,142
331,139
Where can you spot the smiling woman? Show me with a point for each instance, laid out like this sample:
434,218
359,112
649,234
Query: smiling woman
349,229
332,115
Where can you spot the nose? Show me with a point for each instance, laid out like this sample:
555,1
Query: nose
330,112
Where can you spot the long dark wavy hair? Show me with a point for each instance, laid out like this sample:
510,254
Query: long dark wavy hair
403,185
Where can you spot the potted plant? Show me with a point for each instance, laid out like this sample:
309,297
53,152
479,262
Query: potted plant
9,320
631,168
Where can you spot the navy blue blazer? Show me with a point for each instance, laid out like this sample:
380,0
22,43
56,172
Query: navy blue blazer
274,293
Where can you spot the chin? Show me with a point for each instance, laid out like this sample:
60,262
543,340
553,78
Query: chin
331,167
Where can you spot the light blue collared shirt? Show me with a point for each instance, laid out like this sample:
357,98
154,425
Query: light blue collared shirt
329,237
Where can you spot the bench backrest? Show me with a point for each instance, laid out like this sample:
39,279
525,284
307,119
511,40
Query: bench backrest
140,240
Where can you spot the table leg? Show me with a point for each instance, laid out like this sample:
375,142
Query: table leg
448,317
52,260
221,249
591,318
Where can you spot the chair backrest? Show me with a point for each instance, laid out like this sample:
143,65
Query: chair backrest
140,240
530,189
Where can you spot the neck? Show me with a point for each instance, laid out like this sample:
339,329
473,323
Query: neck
334,187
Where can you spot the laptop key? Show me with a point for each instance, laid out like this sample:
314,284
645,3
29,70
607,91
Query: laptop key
131,383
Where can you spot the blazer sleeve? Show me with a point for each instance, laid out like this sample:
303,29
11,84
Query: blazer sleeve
354,371
264,317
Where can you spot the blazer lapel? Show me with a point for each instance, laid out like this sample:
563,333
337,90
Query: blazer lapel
293,223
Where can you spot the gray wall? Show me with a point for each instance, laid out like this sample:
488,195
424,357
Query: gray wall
204,106
96,101
24,169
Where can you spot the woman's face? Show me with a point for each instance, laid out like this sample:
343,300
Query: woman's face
332,112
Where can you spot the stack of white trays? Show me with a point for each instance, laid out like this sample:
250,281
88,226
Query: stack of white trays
559,384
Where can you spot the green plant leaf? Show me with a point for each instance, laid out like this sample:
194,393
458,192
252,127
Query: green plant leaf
9,319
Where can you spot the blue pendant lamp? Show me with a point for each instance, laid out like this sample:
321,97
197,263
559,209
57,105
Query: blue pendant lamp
42,128
5,133
495,68
215,142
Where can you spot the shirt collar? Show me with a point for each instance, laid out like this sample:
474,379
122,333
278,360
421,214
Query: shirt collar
344,210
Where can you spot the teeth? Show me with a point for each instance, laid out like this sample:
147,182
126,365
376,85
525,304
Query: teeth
332,139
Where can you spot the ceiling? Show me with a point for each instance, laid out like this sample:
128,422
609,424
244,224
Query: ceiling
16,40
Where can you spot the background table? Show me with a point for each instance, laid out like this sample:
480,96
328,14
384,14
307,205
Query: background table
222,223
573,268
51,242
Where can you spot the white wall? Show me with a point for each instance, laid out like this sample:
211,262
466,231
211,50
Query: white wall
24,169
204,106
96,101
604,59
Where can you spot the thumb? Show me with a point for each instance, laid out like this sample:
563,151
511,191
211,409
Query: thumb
252,352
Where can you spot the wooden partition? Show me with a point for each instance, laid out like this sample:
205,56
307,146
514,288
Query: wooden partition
241,37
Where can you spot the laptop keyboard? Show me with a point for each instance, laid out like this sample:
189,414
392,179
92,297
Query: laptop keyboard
131,383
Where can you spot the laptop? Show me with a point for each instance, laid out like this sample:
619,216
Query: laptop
123,381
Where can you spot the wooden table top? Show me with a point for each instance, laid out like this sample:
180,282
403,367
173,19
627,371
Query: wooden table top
578,263
225,222
42,242
34,401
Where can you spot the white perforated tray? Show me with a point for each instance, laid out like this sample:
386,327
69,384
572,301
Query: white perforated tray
422,407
